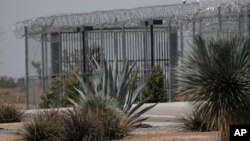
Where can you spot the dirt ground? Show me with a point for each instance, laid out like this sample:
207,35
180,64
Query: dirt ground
10,137
135,136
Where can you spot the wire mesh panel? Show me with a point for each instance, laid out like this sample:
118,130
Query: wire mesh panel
35,81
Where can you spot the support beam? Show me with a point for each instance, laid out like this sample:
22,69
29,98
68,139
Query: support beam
55,54
84,30
27,66
152,44
173,61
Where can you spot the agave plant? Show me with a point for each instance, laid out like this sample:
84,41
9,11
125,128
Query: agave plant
110,87
216,77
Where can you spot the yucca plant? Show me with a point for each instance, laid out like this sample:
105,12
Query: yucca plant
215,76
110,87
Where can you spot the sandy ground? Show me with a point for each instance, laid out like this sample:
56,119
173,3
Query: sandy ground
11,136
172,136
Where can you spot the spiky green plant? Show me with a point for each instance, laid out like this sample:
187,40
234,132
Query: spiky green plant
216,77
110,86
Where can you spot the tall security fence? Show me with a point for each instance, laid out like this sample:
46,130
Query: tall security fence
148,35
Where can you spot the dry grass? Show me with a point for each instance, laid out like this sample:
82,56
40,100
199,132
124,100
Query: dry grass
14,96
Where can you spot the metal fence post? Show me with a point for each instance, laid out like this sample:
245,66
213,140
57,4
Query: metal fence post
239,23
116,45
182,43
152,44
27,66
219,20
102,45
123,46
84,30
169,65
193,26
43,54
248,21
200,27
83,52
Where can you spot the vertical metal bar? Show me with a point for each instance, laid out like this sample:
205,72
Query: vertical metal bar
182,44
129,43
123,46
60,53
116,45
71,42
108,46
220,20
239,23
83,52
145,45
27,66
152,44
102,46
169,65
74,50
200,27
42,77
46,62
133,45
248,12
194,26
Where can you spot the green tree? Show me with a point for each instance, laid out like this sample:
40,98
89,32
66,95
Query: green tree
155,86
215,76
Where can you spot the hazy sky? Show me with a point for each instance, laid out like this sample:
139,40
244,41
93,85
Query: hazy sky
12,55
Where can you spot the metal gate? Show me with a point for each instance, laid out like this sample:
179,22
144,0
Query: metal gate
121,44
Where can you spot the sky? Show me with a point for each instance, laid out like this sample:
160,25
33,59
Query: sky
12,50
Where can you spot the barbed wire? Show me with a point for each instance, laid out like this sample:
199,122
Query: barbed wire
172,15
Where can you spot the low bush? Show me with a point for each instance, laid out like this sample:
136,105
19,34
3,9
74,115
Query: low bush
99,125
10,113
60,88
194,122
44,126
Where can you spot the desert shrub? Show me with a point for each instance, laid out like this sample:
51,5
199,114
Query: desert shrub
44,126
216,77
56,98
194,122
155,86
70,82
93,125
10,113
50,98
